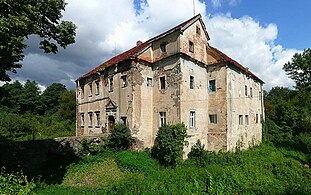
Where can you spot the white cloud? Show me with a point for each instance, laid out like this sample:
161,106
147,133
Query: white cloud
107,27
219,3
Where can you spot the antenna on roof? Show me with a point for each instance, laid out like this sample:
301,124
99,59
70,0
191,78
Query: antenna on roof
193,8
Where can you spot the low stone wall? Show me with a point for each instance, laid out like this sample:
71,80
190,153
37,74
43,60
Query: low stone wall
35,156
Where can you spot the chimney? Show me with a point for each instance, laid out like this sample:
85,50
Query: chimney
138,43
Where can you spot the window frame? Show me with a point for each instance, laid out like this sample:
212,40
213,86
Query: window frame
90,114
212,88
162,119
191,82
82,118
124,120
191,47
163,47
149,84
82,92
251,91
124,81
97,117
257,119
240,119
198,30
246,119
90,89
192,118
245,90
110,83
97,87
212,118
162,84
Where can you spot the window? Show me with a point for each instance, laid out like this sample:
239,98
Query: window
191,82
259,95
149,82
251,91
97,119
82,91
162,119
256,118
123,81
240,119
192,119
123,120
97,88
90,87
212,86
245,90
213,118
198,30
163,47
191,46
90,119
110,84
246,120
162,82
82,119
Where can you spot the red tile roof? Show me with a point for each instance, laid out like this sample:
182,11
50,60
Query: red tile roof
133,52
235,63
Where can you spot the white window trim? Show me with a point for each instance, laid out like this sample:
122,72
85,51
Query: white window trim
162,117
192,119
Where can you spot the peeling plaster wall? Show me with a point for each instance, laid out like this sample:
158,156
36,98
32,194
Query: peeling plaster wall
240,104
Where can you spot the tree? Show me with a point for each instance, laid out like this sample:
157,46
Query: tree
299,69
29,98
19,19
67,106
50,98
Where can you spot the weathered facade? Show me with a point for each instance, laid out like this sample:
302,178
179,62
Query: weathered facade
174,77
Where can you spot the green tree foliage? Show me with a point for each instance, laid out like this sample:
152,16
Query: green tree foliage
67,106
19,19
29,98
50,98
299,69
120,137
169,144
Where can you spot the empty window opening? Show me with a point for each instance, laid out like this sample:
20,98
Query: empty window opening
192,119
191,46
110,84
97,88
251,91
212,85
246,120
240,119
213,118
149,82
256,118
162,118
90,88
123,81
162,82
245,90
123,120
163,47
259,95
82,91
198,30
90,119
82,119
97,114
191,82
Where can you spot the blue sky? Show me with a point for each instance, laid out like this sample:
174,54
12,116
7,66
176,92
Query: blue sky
260,34
291,17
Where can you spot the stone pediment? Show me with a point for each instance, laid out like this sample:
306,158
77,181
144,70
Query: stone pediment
111,105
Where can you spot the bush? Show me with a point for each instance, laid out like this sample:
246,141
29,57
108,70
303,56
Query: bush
198,153
120,137
15,183
169,144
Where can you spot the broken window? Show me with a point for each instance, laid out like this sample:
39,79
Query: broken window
97,88
82,119
212,86
162,82
162,118
163,47
191,82
240,119
110,84
97,119
192,119
191,46
245,90
149,82
90,119
251,91
213,118
90,87
124,81
246,120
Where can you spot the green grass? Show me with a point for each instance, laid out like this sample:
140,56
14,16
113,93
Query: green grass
260,170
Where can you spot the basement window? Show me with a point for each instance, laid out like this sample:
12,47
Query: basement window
212,86
191,46
162,116
162,82
213,118
240,119
191,82
163,47
123,81
149,82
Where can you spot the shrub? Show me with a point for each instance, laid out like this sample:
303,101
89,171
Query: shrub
15,183
169,144
198,153
120,137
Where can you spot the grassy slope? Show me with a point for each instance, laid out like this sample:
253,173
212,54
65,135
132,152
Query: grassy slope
261,170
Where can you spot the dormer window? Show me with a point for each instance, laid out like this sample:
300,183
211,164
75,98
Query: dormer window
191,46
163,47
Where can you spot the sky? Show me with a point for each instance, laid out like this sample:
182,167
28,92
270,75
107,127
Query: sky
260,34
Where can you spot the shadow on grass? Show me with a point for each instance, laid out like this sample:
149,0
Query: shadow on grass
45,160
